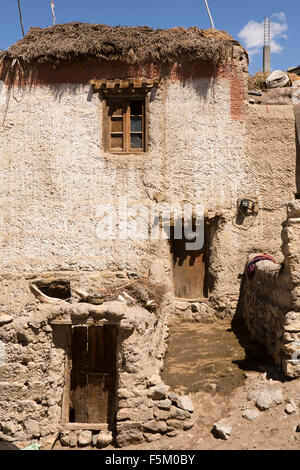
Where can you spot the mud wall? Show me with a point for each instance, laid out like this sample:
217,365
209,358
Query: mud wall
205,147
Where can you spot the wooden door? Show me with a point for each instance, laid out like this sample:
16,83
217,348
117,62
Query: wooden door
93,375
189,270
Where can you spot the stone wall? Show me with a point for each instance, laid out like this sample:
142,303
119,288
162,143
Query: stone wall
33,375
269,303
35,364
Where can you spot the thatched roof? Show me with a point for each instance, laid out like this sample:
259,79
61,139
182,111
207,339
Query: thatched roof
141,44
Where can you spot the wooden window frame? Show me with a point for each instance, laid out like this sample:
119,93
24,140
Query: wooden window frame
127,150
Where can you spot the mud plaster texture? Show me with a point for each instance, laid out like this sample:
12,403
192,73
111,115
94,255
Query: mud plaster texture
205,146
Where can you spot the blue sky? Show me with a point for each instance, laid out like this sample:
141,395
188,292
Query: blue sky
243,19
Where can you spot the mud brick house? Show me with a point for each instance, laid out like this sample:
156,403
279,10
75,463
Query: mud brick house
93,115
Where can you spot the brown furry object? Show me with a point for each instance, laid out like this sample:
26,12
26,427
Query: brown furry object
133,45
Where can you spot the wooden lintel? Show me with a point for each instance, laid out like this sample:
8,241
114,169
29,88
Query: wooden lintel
83,426
124,83
89,322
110,84
199,300
117,84
60,322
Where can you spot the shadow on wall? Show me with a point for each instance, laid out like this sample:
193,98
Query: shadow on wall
257,357
73,75
194,74
67,89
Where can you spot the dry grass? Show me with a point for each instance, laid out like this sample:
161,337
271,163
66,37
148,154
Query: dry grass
146,290
257,81
74,41
143,291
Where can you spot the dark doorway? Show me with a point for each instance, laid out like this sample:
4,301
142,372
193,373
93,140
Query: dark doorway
93,374
58,288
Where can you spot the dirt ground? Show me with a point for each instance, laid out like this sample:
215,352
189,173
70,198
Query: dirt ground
213,366
273,429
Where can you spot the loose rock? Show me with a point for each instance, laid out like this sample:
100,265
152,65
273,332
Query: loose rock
172,433
104,438
65,439
72,439
5,319
159,392
85,438
185,403
290,409
187,425
250,415
277,396
222,429
264,401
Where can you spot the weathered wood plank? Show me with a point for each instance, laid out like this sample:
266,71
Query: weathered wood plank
78,395
189,270
93,375
297,118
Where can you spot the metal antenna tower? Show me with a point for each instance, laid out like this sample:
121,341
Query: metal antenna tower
267,45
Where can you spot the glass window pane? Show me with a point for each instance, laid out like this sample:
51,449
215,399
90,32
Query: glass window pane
116,124
136,124
136,141
115,108
117,141
136,108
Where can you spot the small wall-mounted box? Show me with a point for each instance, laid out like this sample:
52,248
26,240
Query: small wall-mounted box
248,206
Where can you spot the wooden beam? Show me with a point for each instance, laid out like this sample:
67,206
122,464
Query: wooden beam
297,119
83,426
117,84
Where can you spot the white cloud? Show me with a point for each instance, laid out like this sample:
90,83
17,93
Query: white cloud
252,34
